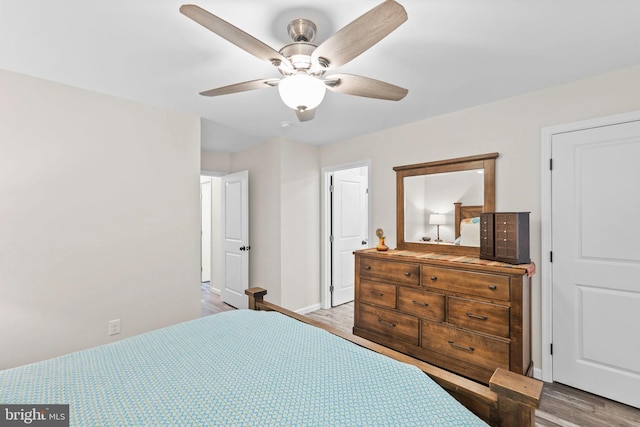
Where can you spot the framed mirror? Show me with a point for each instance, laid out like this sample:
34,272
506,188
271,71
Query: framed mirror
438,204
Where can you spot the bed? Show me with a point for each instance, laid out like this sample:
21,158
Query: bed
467,224
262,366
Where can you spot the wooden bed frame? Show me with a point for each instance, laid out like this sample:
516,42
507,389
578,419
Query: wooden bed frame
464,212
509,400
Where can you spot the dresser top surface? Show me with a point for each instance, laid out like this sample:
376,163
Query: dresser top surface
450,259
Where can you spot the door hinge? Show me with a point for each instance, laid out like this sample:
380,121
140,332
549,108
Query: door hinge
550,164
551,349
331,188
366,191
331,238
331,288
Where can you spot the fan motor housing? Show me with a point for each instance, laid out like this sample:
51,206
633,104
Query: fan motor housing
302,30
299,54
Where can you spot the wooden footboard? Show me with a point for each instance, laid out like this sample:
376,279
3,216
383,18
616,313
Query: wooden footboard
510,399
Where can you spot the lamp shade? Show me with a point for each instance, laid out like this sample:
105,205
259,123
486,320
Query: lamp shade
437,219
301,91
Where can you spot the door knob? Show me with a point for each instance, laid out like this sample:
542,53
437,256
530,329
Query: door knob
364,242
245,248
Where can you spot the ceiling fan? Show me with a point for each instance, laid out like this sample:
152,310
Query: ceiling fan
304,64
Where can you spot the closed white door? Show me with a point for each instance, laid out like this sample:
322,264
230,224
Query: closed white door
349,229
205,231
596,260
235,236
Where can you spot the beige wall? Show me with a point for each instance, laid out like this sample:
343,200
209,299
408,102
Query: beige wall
511,127
215,161
264,166
300,216
99,218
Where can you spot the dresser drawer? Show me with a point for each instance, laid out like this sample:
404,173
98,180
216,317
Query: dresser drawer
506,235
377,293
467,282
421,303
478,350
486,236
479,316
506,248
388,323
396,272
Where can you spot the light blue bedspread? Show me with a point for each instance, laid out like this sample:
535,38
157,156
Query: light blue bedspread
240,368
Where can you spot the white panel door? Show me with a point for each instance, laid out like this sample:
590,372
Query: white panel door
235,236
349,230
596,260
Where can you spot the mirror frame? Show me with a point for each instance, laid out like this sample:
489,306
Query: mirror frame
487,162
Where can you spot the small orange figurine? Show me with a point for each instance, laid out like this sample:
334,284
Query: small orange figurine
381,246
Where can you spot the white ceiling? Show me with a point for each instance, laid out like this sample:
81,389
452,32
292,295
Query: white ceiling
450,54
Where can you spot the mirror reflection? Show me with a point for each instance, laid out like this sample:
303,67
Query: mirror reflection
429,205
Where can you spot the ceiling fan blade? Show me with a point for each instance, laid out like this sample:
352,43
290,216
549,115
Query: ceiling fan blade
234,35
360,34
241,87
364,86
306,115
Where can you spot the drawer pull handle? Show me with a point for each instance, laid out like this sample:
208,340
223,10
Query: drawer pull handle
389,324
367,267
434,278
475,316
407,274
493,287
461,347
377,294
421,304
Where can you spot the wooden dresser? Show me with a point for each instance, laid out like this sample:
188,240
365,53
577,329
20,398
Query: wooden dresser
464,314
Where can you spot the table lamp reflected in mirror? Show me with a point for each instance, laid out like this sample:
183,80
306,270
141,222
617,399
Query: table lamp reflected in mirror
437,220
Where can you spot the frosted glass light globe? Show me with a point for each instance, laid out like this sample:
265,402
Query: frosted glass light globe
301,91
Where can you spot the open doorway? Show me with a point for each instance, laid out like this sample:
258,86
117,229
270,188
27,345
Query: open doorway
210,253
225,242
205,229
345,228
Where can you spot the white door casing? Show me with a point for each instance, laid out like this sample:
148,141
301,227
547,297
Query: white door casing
205,230
349,230
235,238
596,260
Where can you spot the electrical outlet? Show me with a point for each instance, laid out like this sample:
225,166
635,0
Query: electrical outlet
114,327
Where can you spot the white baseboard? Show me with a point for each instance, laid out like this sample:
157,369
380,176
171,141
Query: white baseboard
537,373
309,309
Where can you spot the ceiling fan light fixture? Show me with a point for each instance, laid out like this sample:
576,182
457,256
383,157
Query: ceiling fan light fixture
303,63
301,91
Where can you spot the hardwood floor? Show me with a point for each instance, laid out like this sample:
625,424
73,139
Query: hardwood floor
561,406
210,303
